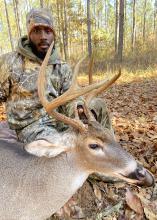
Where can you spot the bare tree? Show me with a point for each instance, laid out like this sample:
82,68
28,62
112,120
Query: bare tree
121,31
133,25
89,29
17,18
155,13
106,14
41,3
28,4
59,26
65,36
94,14
155,29
83,40
9,28
144,21
64,28
116,25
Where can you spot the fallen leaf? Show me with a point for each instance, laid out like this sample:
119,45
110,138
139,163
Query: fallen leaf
134,202
149,214
97,192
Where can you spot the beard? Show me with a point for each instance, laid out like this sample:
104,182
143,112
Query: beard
39,54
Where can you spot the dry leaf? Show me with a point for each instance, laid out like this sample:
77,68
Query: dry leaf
150,207
134,202
149,214
97,192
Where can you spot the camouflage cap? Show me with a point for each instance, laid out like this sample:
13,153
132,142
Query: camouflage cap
39,17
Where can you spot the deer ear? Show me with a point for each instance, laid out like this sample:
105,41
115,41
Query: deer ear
42,148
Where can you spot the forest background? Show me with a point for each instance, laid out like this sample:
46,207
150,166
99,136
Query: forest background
116,30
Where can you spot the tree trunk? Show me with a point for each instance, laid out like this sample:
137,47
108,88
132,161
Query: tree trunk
17,18
94,13
48,4
89,29
121,31
59,29
133,25
9,28
41,3
144,21
15,14
155,29
28,5
65,36
62,25
63,16
125,9
125,22
106,15
90,71
82,33
116,26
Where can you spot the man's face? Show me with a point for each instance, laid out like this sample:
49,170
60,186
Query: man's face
41,38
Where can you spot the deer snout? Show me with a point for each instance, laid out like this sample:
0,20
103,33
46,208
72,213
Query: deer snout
144,177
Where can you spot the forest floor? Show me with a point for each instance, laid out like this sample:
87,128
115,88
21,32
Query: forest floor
133,107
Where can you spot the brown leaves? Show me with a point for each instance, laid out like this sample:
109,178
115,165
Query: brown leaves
134,110
141,205
2,113
97,192
134,202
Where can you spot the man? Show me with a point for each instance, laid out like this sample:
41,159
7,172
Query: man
18,76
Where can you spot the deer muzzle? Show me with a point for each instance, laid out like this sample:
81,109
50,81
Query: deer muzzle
142,176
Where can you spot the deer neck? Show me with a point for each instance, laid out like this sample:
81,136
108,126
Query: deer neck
68,172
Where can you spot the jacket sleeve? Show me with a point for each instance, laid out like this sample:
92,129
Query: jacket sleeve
4,78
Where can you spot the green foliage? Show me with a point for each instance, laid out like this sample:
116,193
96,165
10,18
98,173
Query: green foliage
102,37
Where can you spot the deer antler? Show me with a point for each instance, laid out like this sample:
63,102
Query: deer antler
49,105
102,88
72,93
88,97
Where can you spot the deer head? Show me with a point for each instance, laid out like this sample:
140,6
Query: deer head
94,147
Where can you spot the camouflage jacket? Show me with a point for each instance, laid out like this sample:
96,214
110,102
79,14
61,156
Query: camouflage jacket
18,85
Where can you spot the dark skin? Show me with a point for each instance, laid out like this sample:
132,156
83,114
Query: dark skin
41,38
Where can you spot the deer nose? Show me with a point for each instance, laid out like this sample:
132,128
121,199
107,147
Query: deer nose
140,172
144,177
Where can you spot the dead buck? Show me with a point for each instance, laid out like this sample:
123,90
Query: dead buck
33,187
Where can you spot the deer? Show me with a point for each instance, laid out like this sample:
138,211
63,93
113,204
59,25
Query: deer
39,178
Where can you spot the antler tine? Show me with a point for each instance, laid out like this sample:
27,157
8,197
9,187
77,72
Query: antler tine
94,93
103,87
76,70
41,78
90,70
41,88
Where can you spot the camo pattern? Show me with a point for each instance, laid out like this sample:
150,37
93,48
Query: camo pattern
39,16
18,87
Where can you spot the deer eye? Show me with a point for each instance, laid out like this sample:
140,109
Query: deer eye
94,146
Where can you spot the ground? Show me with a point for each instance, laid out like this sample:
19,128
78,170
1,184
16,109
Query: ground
133,107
